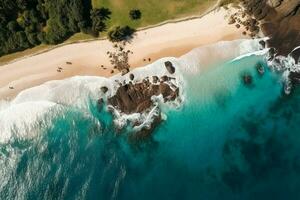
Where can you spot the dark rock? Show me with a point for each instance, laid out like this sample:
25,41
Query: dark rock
170,67
104,89
247,79
262,43
280,21
295,54
260,68
231,20
131,76
272,53
294,77
164,78
145,132
155,79
100,103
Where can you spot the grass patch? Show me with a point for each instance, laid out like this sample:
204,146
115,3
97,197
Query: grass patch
78,37
13,56
153,11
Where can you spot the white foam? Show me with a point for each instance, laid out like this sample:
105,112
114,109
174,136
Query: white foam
19,118
194,61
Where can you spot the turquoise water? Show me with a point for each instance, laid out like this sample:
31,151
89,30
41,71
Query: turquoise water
227,141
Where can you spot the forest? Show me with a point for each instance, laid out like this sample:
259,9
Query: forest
28,23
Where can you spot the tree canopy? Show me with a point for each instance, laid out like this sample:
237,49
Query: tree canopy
27,23
135,14
119,34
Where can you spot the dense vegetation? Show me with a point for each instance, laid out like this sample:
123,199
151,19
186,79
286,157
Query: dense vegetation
27,23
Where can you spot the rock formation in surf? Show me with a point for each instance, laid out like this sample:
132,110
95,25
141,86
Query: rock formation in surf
279,19
137,97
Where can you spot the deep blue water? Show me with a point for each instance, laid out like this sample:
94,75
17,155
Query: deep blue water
227,141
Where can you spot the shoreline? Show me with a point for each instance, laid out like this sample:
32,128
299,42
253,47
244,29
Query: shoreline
168,40
171,21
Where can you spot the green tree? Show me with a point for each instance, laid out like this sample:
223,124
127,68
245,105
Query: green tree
13,26
119,34
135,14
98,17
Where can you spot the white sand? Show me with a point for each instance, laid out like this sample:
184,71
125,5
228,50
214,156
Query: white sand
173,39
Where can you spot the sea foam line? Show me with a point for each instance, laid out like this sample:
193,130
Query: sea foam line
77,91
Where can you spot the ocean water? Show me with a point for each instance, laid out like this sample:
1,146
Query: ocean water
227,140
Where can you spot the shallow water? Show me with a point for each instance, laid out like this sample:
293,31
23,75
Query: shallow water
226,141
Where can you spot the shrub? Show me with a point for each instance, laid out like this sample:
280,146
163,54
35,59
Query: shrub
119,34
135,14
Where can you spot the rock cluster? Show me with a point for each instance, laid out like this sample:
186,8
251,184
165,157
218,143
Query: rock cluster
119,58
136,97
251,25
279,19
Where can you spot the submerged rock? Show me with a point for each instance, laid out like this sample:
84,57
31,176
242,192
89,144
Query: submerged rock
100,104
260,68
170,67
247,79
146,132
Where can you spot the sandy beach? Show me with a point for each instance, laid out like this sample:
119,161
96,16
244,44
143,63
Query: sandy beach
169,40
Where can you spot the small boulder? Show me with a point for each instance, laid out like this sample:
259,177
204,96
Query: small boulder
131,76
170,67
104,89
262,43
164,78
155,79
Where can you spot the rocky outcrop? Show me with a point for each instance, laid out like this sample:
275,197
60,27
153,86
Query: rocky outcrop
136,98
279,19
